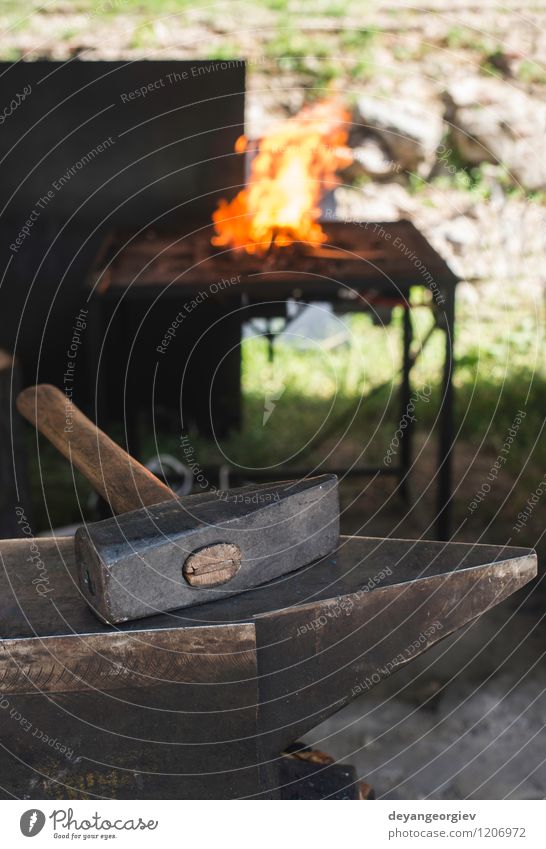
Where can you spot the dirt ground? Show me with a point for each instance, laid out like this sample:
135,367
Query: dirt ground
465,720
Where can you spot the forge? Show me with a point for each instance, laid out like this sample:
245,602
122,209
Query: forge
150,232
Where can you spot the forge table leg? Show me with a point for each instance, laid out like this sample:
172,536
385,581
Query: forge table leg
446,435
407,431
305,773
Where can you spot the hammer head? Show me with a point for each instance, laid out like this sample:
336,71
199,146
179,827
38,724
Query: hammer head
204,547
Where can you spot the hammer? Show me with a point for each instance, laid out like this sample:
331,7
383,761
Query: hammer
162,552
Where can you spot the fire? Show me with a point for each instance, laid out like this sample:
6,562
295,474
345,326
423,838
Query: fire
294,166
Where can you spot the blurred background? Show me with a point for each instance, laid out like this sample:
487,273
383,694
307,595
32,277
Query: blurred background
423,83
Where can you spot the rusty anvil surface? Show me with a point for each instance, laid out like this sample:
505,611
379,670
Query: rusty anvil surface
199,703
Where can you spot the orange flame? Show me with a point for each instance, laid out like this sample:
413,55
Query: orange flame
294,166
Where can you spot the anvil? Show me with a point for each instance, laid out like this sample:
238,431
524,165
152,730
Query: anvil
201,702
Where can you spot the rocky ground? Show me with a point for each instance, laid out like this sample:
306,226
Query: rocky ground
448,103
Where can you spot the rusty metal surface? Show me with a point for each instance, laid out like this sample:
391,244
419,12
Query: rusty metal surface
201,702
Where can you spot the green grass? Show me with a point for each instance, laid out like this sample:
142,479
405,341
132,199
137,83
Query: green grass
143,36
322,395
290,43
357,39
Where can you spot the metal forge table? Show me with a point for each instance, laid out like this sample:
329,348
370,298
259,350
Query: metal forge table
361,266
201,703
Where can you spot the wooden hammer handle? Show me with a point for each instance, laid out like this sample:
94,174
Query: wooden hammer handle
118,477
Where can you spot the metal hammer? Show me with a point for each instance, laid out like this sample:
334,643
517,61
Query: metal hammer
163,552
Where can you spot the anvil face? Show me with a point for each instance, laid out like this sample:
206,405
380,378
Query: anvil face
200,702
136,564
